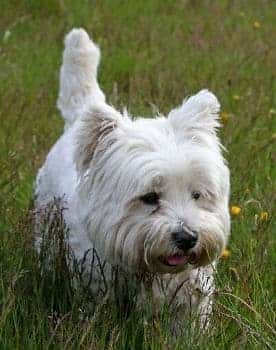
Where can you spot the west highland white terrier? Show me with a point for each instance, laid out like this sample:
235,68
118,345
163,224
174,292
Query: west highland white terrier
148,195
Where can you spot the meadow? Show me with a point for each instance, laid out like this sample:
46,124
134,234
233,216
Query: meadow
154,53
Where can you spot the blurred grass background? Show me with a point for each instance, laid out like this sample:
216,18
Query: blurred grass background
154,53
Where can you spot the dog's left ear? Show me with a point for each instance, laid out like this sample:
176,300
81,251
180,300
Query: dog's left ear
198,113
95,134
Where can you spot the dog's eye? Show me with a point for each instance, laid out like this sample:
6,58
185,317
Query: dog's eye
151,198
196,195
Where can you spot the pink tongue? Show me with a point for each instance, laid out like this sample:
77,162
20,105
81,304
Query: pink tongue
176,260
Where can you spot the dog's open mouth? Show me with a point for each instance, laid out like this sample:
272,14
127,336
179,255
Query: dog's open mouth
178,259
175,260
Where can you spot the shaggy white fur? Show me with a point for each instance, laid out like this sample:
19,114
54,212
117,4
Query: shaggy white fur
150,195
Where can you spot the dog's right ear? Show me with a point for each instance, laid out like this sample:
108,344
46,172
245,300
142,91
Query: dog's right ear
95,134
198,113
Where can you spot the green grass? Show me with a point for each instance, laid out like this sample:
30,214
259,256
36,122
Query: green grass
153,53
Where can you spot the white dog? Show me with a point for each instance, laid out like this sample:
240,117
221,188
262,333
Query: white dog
149,195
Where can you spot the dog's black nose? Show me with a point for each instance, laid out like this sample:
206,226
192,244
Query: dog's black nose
184,239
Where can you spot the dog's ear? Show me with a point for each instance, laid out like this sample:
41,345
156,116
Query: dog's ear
198,113
95,134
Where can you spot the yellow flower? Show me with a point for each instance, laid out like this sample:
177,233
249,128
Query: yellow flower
257,25
226,254
272,111
264,216
236,97
235,210
224,116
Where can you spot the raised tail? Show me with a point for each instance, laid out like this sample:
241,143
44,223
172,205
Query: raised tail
79,88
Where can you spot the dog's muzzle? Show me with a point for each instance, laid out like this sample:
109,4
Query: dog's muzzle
184,239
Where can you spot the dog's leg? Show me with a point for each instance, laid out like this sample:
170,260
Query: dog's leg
79,89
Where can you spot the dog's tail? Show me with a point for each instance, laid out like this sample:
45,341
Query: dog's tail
79,88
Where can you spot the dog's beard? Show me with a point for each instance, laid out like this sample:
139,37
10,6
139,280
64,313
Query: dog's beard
146,245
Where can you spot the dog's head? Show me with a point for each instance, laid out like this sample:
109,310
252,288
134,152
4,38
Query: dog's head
154,192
